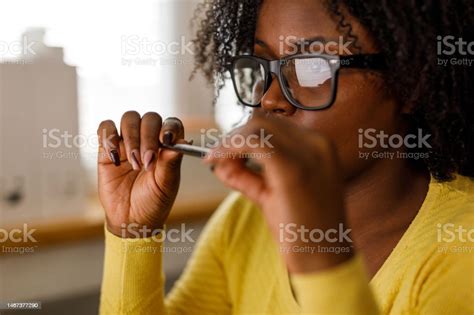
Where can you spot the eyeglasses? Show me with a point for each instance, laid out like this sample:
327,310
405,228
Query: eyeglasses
308,81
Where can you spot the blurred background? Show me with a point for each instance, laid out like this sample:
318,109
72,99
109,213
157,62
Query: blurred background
64,67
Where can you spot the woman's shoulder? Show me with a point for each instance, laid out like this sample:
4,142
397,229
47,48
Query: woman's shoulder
462,184
457,199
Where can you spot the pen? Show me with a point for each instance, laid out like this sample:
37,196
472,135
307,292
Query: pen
188,149
201,152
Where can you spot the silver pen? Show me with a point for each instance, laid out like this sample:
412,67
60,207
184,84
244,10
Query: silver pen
188,149
201,152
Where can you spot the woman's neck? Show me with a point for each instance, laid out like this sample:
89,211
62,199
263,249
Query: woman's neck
381,204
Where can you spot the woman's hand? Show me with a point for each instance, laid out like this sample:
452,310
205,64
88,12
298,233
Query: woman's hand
138,180
300,187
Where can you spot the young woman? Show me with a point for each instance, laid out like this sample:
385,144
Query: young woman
345,217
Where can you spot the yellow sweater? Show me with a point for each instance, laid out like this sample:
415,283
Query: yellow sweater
236,268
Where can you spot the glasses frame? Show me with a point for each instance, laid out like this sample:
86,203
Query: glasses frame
335,62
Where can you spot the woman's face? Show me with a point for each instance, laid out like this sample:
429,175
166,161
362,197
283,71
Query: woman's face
361,101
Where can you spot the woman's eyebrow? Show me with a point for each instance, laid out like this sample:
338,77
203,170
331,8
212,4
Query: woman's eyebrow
266,48
261,43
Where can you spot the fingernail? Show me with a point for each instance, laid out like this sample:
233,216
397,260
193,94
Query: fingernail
168,138
115,157
148,158
135,163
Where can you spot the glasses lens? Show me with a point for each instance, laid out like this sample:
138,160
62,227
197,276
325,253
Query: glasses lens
249,80
308,80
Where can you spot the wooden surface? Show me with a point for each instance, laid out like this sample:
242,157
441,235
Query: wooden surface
91,225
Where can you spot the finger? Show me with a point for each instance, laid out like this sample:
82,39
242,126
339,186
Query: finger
262,137
150,143
265,125
171,133
109,143
235,175
130,131
248,147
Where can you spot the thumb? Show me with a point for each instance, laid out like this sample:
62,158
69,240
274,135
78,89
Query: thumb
235,174
172,132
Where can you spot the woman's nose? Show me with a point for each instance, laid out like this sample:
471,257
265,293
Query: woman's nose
274,101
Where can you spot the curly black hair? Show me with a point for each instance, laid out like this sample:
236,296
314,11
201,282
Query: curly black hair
407,33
